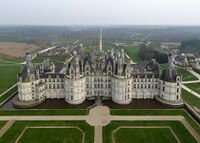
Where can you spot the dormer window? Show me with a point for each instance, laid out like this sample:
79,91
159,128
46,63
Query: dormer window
109,68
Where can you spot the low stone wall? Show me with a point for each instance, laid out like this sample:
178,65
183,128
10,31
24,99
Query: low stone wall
169,104
7,99
192,112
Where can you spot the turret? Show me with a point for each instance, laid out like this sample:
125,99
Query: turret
29,64
170,83
122,55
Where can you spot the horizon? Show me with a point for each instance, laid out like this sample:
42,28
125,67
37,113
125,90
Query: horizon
94,12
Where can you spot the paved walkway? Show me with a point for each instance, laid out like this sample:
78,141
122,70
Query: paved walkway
99,116
194,81
8,89
139,127
6,127
191,91
194,73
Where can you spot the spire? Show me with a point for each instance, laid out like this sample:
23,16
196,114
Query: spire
29,65
169,73
100,41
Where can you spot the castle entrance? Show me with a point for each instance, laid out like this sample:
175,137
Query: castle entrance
98,100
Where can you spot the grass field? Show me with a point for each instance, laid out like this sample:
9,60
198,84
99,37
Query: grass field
90,48
181,132
186,76
133,52
163,66
173,112
189,98
43,112
2,123
8,77
51,58
13,133
17,49
107,48
194,86
7,62
144,135
9,93
51,135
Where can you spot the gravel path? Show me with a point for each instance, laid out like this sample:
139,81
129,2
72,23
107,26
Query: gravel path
6,127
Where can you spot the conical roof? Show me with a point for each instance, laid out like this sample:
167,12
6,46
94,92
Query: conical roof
169,73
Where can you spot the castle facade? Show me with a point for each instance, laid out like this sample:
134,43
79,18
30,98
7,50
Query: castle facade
98,74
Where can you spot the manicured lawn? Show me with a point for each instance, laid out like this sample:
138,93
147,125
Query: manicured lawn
107,48
8,77
7,62
190,99
12,59
9,93
186,76
194,86
163,66
173,112
89,48
51,58
2,123
144,135
133,52
181,132
51,135
12,134
43,112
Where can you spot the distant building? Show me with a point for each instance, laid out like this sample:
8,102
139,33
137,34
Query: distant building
181,60
196,64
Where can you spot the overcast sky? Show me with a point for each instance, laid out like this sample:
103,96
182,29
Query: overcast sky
100,12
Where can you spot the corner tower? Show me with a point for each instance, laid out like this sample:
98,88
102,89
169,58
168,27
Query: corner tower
170,85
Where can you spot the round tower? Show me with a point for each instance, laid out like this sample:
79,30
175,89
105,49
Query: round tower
170,85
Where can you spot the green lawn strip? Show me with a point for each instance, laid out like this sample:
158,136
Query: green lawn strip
181,132
43,112
10,58
163,66
133,52
196,70
12,134
8,77
2,123
172,112
7,62
51,58
194,86
107,48
190,99
186,76
144,135
9,93
53,135
89,49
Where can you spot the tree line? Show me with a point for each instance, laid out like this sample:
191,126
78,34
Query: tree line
147,53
